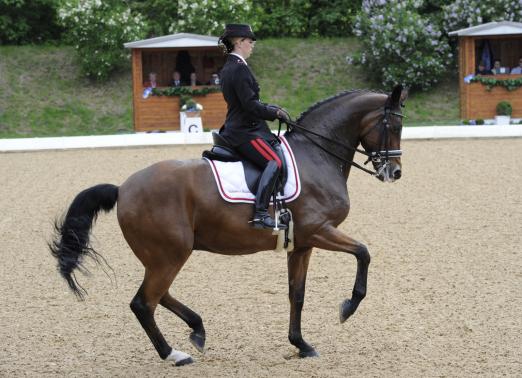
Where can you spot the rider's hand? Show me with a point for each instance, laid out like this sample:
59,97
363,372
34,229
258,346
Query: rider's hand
283,115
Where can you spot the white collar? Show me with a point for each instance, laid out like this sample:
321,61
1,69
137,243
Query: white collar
240,57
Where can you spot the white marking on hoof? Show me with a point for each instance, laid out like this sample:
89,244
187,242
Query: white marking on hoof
179,358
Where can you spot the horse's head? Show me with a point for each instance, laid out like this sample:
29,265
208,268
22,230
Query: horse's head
381,136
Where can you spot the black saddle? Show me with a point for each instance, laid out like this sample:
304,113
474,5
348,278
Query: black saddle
223,151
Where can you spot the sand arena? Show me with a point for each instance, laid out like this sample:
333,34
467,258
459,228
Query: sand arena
444,287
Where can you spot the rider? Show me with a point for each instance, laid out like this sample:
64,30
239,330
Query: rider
245,127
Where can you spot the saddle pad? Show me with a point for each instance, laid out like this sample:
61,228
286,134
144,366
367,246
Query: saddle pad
231,183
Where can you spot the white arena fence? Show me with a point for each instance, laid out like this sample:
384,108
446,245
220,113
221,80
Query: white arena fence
178,138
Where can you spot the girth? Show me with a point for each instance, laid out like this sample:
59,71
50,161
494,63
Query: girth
223,151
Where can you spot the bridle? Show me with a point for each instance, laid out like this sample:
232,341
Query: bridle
380,158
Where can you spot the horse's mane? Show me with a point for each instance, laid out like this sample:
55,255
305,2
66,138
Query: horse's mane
335,97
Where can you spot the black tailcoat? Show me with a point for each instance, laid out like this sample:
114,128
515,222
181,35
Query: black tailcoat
246,115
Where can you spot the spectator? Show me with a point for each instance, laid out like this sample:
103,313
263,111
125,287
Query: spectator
518,69
152,81
193,79
498,69
481,70
176,80
214,80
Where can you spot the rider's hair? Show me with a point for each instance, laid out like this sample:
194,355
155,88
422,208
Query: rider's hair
228,44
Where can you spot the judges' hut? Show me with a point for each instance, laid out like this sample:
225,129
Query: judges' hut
480,94
159,109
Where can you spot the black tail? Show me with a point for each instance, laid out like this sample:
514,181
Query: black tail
71,240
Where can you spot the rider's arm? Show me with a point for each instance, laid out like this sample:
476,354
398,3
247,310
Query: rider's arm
243,85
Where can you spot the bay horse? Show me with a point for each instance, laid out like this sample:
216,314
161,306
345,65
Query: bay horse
173,207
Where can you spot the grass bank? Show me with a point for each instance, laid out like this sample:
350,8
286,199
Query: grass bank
43,94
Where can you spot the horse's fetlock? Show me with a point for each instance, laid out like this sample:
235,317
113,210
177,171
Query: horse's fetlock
196,323
359,294
295,339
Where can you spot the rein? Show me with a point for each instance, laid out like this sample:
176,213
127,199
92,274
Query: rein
375,156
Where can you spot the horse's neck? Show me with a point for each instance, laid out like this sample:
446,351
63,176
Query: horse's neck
338,120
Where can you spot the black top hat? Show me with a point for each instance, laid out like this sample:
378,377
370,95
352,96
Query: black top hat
238,30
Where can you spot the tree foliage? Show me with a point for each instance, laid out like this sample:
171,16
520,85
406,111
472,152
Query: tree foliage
28,21
304,18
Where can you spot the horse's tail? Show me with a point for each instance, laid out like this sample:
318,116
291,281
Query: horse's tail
71,240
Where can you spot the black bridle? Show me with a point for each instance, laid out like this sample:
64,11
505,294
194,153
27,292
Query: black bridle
380,158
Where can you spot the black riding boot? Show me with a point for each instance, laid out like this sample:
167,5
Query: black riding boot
266,186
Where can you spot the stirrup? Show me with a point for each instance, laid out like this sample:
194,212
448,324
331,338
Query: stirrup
260,223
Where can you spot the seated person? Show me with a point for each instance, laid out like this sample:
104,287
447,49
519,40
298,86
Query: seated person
518,69
481,70
193,79
176,80
214,80
152,81
498,69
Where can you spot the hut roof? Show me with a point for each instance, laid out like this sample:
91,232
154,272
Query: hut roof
491,28
175,40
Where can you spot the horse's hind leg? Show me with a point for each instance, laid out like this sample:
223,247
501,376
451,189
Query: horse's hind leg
297,268
193,320
155,284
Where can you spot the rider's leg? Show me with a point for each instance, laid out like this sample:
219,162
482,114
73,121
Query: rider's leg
262,154
267,181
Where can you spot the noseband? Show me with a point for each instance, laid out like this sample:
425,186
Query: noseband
381,158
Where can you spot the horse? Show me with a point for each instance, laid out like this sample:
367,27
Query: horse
170,208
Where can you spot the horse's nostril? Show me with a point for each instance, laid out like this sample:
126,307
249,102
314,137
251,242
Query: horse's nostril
397,174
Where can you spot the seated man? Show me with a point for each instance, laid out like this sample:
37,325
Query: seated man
481,70
518,69
176,80
152,81
214,80
498,69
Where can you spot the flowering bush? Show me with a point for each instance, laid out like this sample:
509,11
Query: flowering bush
400,46
465,13
210,16
98,30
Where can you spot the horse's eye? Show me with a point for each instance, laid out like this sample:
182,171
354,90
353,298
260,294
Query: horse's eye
395,128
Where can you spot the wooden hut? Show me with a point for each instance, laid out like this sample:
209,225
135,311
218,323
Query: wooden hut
498,40
160,55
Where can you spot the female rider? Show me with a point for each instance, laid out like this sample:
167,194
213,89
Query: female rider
245,127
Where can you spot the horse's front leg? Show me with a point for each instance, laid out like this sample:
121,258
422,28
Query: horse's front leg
297,268
332,239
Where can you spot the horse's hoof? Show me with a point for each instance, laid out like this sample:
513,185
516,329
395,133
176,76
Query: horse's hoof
308,353
179,358
186,361
198,340
346,309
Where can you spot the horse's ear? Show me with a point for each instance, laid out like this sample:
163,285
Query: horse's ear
395,97
404,96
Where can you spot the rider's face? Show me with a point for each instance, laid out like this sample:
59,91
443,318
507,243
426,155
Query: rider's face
246,46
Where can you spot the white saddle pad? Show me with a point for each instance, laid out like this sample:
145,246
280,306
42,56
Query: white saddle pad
231,182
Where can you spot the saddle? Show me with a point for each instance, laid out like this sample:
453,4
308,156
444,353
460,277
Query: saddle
223,151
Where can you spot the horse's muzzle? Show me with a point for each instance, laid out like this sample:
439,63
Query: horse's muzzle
388,171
